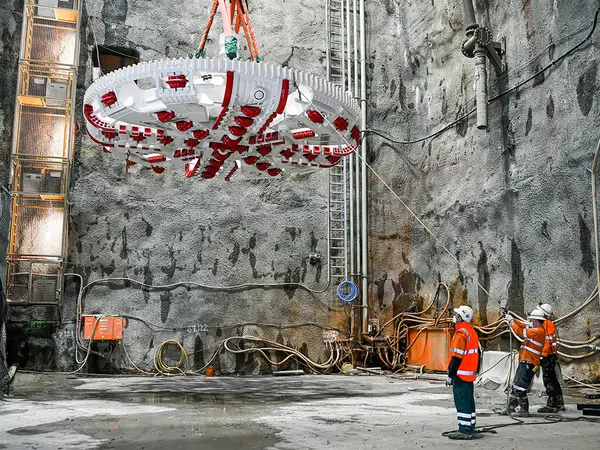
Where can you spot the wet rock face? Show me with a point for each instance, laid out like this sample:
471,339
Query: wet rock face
512,204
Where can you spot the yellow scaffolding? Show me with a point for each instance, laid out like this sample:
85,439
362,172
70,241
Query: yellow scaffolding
43,143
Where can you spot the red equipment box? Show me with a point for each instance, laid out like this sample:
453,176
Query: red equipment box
103,328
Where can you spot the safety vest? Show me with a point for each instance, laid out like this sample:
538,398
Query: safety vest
465,345
533,342
551,344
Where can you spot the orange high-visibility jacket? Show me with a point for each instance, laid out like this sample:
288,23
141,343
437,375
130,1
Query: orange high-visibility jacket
551,344
533,342
465,345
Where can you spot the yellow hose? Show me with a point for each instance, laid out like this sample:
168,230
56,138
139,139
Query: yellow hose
161,367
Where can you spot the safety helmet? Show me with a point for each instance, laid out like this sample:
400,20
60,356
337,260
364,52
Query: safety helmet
537,314
546,309
464,312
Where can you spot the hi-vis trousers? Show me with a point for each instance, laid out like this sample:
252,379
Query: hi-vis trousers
464,401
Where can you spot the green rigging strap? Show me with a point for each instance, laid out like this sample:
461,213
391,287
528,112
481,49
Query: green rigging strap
231,47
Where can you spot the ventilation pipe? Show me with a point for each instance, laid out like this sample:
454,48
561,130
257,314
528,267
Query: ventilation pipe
479,45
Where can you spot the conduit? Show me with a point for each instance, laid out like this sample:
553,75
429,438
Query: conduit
363,151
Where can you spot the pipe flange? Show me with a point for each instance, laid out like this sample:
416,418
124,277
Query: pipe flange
471,26
483,36
464,51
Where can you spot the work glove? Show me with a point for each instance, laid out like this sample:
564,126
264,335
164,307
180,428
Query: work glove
449,381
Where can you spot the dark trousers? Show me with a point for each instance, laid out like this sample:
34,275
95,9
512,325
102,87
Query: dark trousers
522,381
551,383
464,401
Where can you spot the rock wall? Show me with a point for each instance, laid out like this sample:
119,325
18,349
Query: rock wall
513,203
235,244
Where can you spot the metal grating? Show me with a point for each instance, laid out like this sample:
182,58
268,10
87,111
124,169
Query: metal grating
53,45
40,228
51,124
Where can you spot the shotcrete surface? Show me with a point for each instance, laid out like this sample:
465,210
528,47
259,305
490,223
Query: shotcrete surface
309,412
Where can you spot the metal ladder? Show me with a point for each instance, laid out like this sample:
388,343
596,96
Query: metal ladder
336,73
336,69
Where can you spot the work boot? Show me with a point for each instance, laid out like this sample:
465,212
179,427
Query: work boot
521,413
459,435
547,410
523,409
550,407
560,403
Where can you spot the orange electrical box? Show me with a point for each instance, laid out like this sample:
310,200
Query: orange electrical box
431,348
103,328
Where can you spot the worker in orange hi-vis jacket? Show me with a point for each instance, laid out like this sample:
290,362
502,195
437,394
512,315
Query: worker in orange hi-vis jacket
534,338
548,364
462,372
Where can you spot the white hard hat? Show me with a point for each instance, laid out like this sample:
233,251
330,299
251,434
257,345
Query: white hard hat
537,314
465,312
546,309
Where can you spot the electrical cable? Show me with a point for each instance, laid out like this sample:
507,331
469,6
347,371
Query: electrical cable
205,286
552,63
590,386
425,227
416,141
496,97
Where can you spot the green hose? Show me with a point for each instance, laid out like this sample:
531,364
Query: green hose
199,54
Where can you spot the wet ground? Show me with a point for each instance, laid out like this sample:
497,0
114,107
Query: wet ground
55,411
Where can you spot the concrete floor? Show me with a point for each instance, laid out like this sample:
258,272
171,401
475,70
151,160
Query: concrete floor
54,411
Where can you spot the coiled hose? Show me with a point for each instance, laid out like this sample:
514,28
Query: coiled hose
350,296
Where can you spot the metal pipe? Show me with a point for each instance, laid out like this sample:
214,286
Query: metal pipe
345,187
481,87
343,60
348,48
595,210
469,12
363,151
355,18
327,34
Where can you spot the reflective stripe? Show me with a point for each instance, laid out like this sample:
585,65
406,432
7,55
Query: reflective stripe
554,344
466,333
465,422
531,350
519,388
472,351
465,415
549,338
465,372
525,333
457,350
536,343
473,415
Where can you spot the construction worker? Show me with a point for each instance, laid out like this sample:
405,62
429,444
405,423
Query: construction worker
534,338
462,372
548,364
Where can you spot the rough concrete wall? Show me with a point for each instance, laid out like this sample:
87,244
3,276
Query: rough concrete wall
10,24
512,204
11,16
167,229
